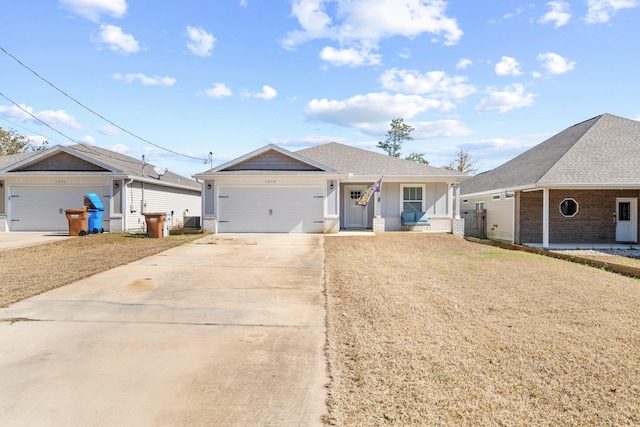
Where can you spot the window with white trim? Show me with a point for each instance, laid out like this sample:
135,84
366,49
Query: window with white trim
479,206
569,207
413,198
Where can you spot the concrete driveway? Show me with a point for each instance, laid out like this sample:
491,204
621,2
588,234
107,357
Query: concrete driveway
23,239
228,330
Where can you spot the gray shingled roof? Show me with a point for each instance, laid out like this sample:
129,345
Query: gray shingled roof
14,158
601,151
120,163
346,159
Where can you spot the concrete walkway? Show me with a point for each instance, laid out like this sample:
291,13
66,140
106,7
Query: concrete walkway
228,330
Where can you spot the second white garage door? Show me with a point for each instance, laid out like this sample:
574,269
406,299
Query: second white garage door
270,210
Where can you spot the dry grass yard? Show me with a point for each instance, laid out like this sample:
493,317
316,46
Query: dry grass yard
434,330
30,271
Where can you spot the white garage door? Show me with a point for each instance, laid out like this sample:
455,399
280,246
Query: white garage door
43,208
270,210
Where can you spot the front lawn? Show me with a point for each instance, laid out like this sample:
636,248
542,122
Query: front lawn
434,330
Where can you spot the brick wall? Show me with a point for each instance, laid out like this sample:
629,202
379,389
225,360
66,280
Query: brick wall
530,217
595,221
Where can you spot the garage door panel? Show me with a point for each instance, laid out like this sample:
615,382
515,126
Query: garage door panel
43,208
271,210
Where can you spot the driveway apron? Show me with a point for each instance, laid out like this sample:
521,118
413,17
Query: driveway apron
228,330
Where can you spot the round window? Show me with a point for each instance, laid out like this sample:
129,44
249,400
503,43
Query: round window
568,207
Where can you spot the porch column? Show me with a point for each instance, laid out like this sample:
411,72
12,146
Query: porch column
377,208
457,201
545,217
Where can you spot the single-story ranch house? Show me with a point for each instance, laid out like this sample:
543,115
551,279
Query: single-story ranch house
579,187
315,190
37,187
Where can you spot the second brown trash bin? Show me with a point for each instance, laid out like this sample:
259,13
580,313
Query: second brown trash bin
78,221
155,224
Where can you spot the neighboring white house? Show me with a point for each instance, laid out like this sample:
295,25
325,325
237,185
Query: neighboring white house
36,188
315,190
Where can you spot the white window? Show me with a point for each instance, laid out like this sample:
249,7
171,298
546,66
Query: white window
479,206
496,197
413,198
569,207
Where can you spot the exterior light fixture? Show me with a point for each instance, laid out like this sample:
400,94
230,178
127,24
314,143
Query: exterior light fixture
331,186
116,185
208,186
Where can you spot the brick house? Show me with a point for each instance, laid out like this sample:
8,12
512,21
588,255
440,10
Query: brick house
579,187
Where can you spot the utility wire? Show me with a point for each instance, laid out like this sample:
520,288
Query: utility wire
95,113
87,146
27,129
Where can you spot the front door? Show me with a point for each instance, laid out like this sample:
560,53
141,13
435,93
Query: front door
355,216
626,220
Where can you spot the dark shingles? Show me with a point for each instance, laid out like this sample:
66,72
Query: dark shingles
604,149
346,159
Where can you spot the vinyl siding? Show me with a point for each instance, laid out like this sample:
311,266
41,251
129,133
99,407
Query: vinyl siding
500,217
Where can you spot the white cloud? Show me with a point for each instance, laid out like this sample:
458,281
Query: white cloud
559,14
88,139
555,63
463,63
94,9
363,111
350,57
267,93
510,15
201,42
218,90
422,130
600,11
513,96
15,112
405,53
436,83
116,40
243,3
58,118
361,24
109,130
508,67
50,117
145,80
439,129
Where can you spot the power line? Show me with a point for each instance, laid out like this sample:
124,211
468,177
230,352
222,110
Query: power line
94,112
89,147
27,129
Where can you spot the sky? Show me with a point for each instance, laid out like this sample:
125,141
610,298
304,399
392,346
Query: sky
177,80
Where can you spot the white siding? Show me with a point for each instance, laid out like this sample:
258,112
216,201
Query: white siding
500,218
159,199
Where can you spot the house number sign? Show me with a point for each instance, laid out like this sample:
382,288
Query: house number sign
270,181
61,181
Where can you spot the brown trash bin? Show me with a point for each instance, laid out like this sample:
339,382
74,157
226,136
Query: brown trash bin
155,224
78,221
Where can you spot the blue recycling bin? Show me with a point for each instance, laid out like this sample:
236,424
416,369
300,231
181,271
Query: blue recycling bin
96,210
